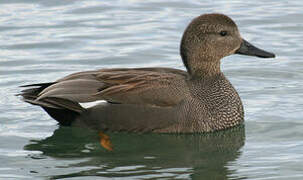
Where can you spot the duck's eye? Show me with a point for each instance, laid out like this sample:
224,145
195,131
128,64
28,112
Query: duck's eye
223,33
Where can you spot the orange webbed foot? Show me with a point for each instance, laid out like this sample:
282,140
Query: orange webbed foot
105,141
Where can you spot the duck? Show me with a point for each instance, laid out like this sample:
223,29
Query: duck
199,99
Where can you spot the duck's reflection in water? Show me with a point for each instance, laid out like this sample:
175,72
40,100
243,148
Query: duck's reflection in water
201,156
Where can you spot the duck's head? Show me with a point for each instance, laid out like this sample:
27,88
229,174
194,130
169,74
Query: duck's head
209,38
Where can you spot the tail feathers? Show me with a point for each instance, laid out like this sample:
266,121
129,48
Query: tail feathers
32,93
42,85
62,110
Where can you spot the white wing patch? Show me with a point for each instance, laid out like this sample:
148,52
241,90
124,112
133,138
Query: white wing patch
91,104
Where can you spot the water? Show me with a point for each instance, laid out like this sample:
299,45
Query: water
41,41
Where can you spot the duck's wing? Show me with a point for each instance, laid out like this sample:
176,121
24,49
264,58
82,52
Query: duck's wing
157,87
142,86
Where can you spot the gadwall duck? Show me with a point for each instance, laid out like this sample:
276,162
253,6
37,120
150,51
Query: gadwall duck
163,100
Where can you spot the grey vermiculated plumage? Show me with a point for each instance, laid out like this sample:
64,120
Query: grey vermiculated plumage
155,99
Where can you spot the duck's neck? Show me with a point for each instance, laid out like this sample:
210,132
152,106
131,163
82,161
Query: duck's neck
202,69
199,63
